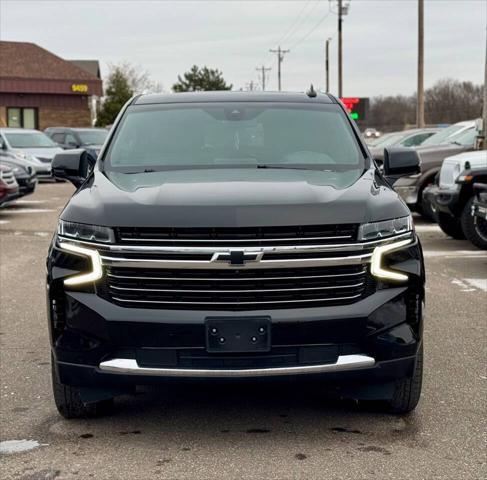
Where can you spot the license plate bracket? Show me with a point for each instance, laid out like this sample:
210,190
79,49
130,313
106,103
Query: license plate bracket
238,335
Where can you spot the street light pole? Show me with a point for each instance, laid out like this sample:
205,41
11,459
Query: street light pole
340,47
327,64
484,122
420,94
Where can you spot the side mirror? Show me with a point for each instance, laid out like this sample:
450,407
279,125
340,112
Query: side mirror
401,162
73,165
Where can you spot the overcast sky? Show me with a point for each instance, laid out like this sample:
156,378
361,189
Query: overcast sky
167,37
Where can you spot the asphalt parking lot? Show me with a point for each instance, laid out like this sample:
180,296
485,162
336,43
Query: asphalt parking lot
243,432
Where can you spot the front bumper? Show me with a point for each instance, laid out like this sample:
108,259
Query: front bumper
97,341
443,200
102,344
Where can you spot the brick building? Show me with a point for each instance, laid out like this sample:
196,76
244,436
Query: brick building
39,89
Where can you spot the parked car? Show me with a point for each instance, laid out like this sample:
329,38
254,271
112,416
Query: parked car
407,138
24,173
411,188
34,147
234,235
454,196
444,134
9,188
91,139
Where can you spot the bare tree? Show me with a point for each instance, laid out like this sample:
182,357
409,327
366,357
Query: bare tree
139,79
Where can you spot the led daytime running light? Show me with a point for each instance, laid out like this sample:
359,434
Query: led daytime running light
376,262
96,268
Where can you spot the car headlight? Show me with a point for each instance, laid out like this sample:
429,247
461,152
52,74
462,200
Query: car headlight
376,264
96,267
21,154
386,228
82,231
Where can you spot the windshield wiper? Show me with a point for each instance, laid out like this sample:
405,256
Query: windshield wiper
146,170
285,167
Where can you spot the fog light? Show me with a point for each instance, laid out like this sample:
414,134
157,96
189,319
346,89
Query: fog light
96,268
376,263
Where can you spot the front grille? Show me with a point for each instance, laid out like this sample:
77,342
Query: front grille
8,177
231,237
233,289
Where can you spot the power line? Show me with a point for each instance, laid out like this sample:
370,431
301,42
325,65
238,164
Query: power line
293,24
302,39
302,23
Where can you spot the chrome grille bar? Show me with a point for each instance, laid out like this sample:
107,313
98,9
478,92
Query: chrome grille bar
254,302
227,279
256,290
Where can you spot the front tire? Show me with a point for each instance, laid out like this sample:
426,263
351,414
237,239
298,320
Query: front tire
450,225
68,400
408,390
474,228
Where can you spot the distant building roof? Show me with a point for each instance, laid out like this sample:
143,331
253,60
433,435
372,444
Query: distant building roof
91,66
29,68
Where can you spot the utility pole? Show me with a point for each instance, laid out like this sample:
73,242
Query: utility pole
262,71
420,95
250,86
327,64
280,58
484,122
340,48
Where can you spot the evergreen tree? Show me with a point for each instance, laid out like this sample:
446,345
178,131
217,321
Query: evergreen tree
201,79
118,91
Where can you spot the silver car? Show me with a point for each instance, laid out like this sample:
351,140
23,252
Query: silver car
34,147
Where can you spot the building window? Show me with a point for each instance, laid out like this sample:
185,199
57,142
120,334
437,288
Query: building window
22,117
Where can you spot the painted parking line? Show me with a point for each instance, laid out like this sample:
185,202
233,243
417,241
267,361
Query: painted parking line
4,222
479,283
427,228
470,284
455,253
27,210
29,202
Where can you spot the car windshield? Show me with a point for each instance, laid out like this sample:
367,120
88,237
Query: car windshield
29,140
442,136
391,139
230,134
466,138
92,137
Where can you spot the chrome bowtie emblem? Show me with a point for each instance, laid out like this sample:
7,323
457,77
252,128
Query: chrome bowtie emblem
237,257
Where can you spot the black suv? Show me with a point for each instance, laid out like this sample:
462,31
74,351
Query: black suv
231,235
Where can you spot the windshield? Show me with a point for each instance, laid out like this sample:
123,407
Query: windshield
443,135
92,137
391,139
229,134
465,138
29,140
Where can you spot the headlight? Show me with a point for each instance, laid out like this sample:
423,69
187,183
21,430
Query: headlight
376,268
96,269
387,228
89,233
21,154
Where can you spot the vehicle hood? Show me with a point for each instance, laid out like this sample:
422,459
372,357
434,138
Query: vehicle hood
41,152
232,198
